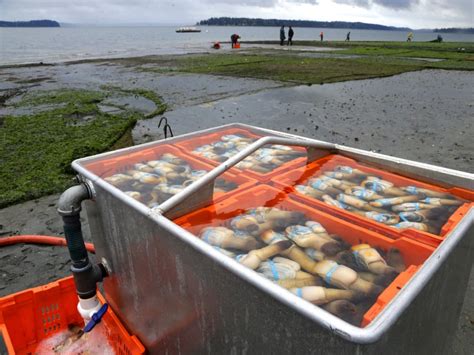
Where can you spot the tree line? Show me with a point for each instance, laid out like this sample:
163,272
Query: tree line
33,23
243,21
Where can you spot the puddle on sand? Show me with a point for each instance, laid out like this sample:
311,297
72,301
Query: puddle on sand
134,103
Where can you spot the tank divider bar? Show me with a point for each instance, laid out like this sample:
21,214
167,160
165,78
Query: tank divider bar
200,193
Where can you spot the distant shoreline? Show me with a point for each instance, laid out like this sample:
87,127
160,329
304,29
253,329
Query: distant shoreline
243,21
32,23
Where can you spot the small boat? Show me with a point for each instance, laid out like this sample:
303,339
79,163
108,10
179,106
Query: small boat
187,29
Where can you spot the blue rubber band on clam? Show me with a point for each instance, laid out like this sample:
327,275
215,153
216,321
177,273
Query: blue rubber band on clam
344,169
379,217
240,234
240,257
313,224
252,211
202,148
411,189
276,238
300,188
313,254
230,153
294,231
234,220
362,193
427,200
198,173
208,154
276,277
329,274
376,186
358,259
206,235
316,184
228,137
264,152
299,292
403,218
385,201
344,206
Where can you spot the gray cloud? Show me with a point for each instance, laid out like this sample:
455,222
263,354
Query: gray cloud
393,4
262,3
422,13
397,4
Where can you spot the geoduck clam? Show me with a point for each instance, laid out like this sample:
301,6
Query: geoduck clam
225,238
255,257
304,237
330,271
382,186
369,259
321,295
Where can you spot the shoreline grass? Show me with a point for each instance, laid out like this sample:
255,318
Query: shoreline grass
351,61
36,150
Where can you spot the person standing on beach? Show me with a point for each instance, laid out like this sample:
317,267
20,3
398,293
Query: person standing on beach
348,36
282,35
321,35
234,39
291,33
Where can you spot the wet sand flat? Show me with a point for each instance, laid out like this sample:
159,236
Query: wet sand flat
425,116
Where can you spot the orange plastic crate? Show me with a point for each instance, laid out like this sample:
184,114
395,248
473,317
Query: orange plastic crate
288,180
414,253
30,316
123,163
189,144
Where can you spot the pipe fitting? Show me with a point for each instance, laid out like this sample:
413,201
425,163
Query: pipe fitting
69,203
86,275
87,307
86,279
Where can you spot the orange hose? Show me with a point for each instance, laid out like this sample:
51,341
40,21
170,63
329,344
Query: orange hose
39,239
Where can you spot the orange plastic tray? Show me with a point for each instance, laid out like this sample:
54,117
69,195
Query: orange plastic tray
220,214
288,180
120,164
190,144
28,317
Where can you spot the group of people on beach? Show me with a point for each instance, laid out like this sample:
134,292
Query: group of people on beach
235,38
291,33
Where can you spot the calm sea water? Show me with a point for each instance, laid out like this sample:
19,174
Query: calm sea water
28,45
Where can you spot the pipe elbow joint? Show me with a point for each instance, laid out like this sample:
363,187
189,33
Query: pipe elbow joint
69,203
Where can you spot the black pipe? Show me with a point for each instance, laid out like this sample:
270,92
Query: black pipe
86,275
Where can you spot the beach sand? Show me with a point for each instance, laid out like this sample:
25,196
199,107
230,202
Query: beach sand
409,115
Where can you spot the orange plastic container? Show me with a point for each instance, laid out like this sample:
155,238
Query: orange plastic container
288,180
189,144
30,316
220,214
123,163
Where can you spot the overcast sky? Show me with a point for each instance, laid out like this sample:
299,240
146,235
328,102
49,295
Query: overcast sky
409,13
